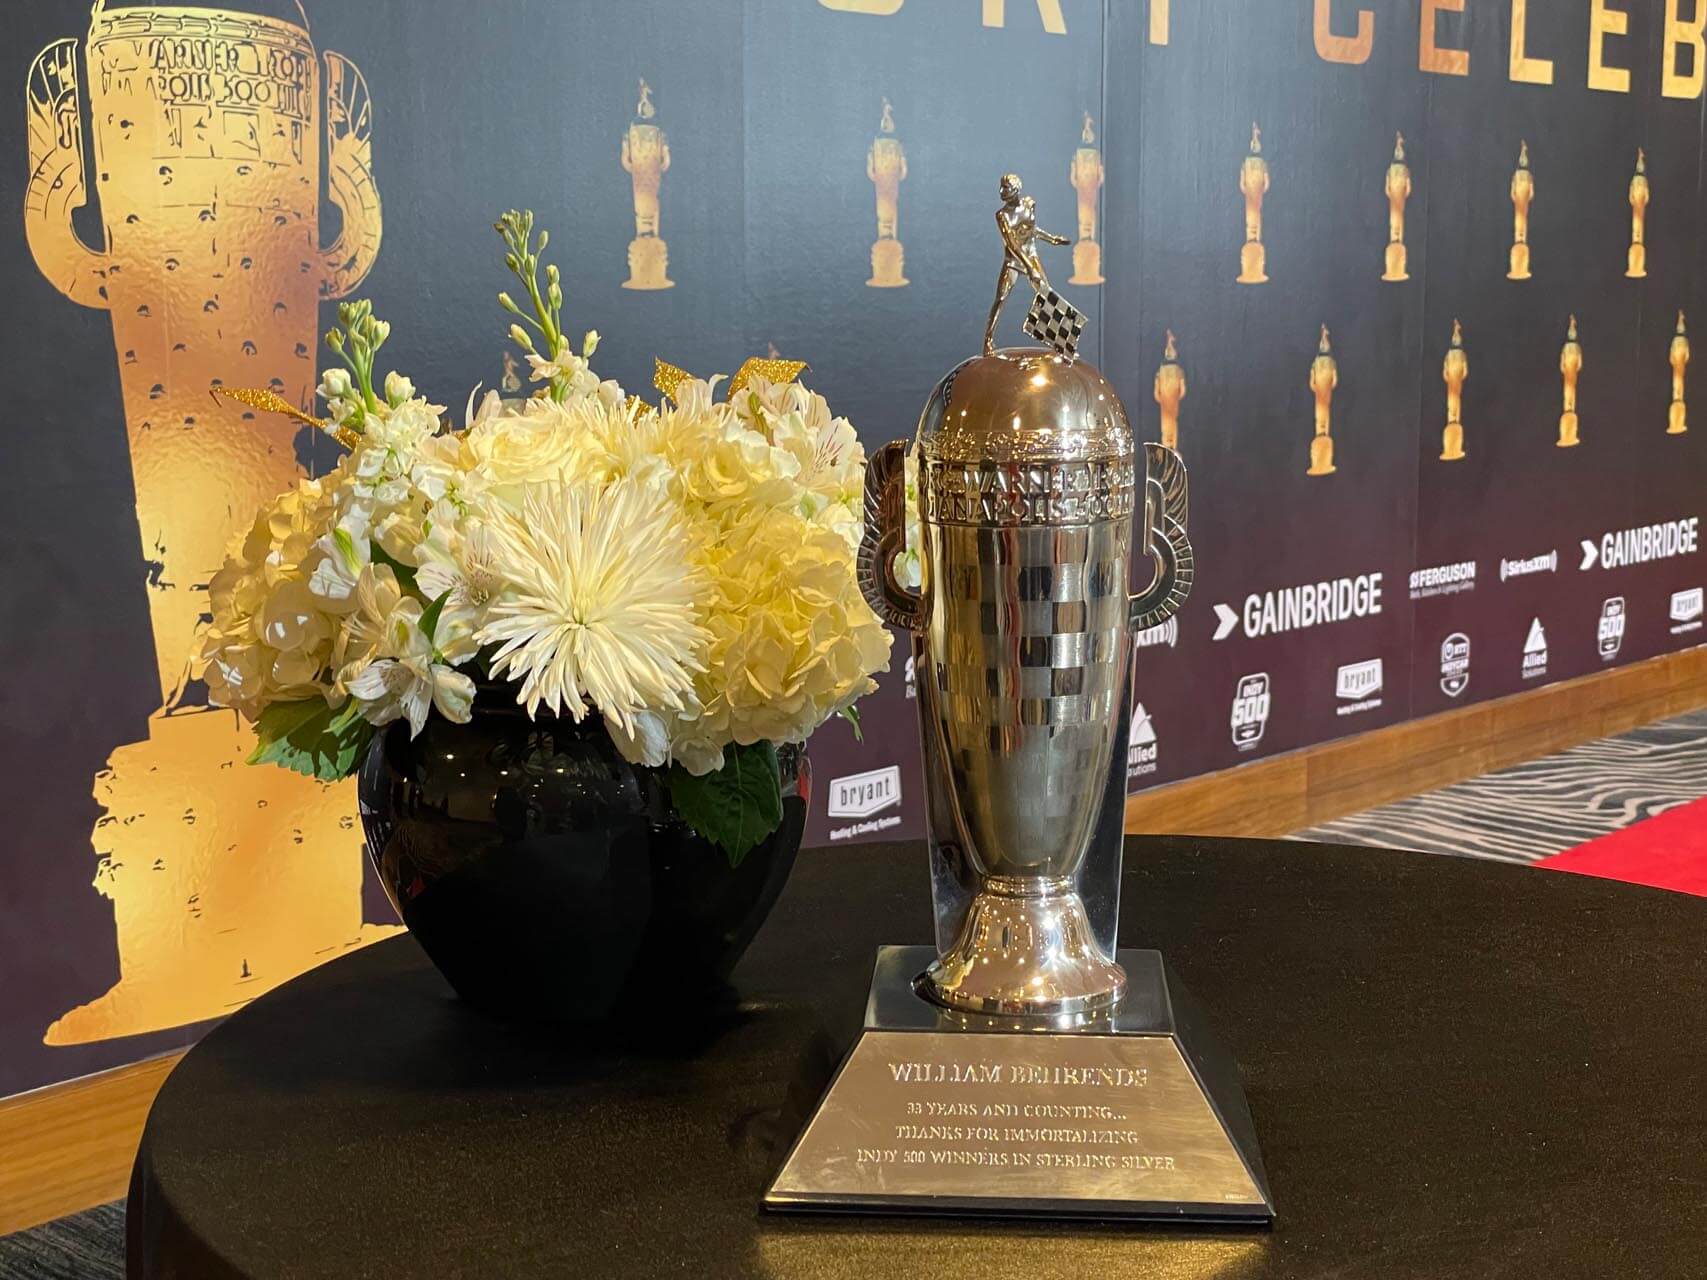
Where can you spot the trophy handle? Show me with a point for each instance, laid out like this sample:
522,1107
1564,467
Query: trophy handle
349,178
1165,500
885,537
57,184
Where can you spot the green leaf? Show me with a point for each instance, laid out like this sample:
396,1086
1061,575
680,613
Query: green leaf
430,619
737,806
309,737
850,713
405,573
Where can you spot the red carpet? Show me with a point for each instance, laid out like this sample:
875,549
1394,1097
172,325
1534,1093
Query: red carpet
1666,852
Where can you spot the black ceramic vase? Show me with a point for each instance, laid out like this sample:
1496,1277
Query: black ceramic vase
547,877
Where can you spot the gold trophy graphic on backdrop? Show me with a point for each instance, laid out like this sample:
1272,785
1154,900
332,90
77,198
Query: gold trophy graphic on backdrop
1253,184
645,157
1679,422
1398,191
1324,377
1522,194
207,129
1638,265
1454,372
1170,390
886,166
1086,174
1570,365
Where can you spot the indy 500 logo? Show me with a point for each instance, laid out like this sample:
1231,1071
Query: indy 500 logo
1250,710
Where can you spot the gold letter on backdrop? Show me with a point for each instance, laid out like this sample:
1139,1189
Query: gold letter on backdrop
1524,69
882,8
995,15
1674,84
1352,49
1158,21
1430,56
1603,22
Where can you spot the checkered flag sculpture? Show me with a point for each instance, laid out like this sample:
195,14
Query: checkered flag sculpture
1056,323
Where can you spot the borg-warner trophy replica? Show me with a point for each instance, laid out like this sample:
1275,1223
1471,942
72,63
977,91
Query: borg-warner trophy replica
1023,1065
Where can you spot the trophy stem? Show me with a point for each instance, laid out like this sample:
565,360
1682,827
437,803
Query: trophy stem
1026,950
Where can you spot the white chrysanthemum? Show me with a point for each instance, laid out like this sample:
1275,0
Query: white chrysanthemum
602,603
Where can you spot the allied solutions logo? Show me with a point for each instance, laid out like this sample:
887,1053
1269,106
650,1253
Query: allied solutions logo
1686,610
1250,710
1443,579
1535,651
861,795
1140,745
1455,664
1546,562
1609,635
1358,686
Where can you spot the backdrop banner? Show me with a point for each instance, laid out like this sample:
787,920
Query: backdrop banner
1408,283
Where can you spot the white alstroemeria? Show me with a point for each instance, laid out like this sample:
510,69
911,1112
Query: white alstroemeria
408,681
375,598
646,740
344,553
460,565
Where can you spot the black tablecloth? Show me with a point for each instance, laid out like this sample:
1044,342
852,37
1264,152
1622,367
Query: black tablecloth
1457,1069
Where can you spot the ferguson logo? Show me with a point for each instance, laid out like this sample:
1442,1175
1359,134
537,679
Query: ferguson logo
860,795
1455,664
1443,579
1250,710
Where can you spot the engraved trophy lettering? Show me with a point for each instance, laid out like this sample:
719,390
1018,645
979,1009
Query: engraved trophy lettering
886,166
1086,175
645,158
209,129
1398,191
1522,196
1033,496
1455,370
1678,421
1570,367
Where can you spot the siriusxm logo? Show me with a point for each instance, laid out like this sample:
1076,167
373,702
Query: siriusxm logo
1535,651
1165,633
860,795
1455,664
1546,562
1359,685
1686,610
1609,635
1140,744
1250,710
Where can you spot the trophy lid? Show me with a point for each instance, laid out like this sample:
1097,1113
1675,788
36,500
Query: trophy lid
1024,405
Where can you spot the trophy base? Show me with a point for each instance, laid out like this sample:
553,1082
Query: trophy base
1568,431
1637,266
1139,1115
1321,456
1026,950
1452,442
648,264
1679,423
1253,263
1519,263
1395,271
1087,263
888,265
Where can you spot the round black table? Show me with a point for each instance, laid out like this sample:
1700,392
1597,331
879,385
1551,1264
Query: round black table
1456,1068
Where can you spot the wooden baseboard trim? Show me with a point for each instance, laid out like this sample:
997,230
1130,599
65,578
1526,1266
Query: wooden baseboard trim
70,1146
1317,784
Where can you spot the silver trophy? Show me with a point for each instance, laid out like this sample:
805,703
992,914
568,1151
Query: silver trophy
1031,493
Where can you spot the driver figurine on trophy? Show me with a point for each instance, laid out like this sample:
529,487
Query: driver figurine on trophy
1033,496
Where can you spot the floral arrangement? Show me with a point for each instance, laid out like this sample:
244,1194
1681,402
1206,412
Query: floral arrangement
684,571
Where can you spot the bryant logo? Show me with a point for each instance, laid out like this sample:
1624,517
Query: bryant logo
1250,710
1609,636
1359,679
1686,610
1140,744
861,794
1535,651
1455,664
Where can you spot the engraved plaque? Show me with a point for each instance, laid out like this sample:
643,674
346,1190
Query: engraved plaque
937,1113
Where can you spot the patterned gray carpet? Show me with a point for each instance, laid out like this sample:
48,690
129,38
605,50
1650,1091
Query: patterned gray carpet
1544,806
1517,815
